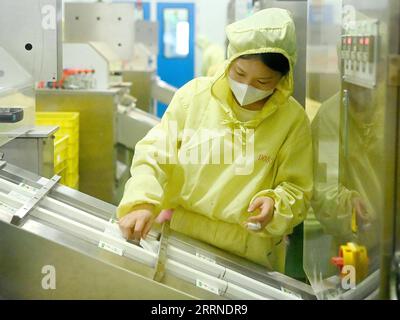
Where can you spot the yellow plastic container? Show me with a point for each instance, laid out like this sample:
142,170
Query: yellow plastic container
60,149
72,180
62,180
73,133
73,151
67,121
60,170
69,126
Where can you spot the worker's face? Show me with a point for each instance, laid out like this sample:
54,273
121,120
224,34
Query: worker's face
255,73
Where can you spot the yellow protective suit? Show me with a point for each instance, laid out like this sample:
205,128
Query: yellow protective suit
211,199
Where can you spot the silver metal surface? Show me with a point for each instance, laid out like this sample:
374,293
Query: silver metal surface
40,132
242,266
159,271
90,260
38,151
162,91
133,125
112,23
141,86
146,33
35,43
22,212
82,271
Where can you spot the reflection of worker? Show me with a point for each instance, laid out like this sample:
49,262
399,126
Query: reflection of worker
250,95
337,207
213,56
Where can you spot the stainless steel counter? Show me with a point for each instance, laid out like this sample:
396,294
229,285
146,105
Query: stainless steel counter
67,248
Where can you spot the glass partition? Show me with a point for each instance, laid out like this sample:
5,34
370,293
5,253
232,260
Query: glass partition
353,111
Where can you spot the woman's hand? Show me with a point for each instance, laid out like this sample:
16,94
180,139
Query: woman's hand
266,209
137,224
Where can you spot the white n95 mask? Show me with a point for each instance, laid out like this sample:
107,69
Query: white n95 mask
246,94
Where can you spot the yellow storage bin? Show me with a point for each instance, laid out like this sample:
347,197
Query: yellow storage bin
73,134
62,180
69,127
72,181
73,151
67,121
60,150
73,164
59,168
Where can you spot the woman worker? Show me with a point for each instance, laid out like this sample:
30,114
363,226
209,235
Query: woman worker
245,212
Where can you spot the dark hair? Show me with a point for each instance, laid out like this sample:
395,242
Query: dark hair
273,60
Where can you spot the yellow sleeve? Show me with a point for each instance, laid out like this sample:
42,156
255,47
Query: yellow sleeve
294,182
154,159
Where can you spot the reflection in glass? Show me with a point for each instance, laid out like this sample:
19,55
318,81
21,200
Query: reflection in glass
343,224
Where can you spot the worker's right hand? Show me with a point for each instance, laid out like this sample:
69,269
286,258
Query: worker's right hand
137,224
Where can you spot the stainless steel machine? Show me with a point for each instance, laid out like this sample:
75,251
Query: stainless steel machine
21,57
32,151
134,40
21,64
116,114
350,235
46,226
60,243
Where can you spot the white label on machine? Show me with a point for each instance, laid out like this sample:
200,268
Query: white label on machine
111,248
43,181
203,257
206,286
19,197
286,290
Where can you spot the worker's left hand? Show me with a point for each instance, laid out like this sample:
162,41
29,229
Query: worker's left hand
266,209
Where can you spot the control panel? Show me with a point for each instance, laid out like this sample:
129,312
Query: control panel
359,53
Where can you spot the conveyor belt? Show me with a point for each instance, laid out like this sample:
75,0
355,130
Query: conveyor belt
70,213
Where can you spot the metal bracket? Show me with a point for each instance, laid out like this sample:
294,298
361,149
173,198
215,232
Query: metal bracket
2,163
31,204
162,253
